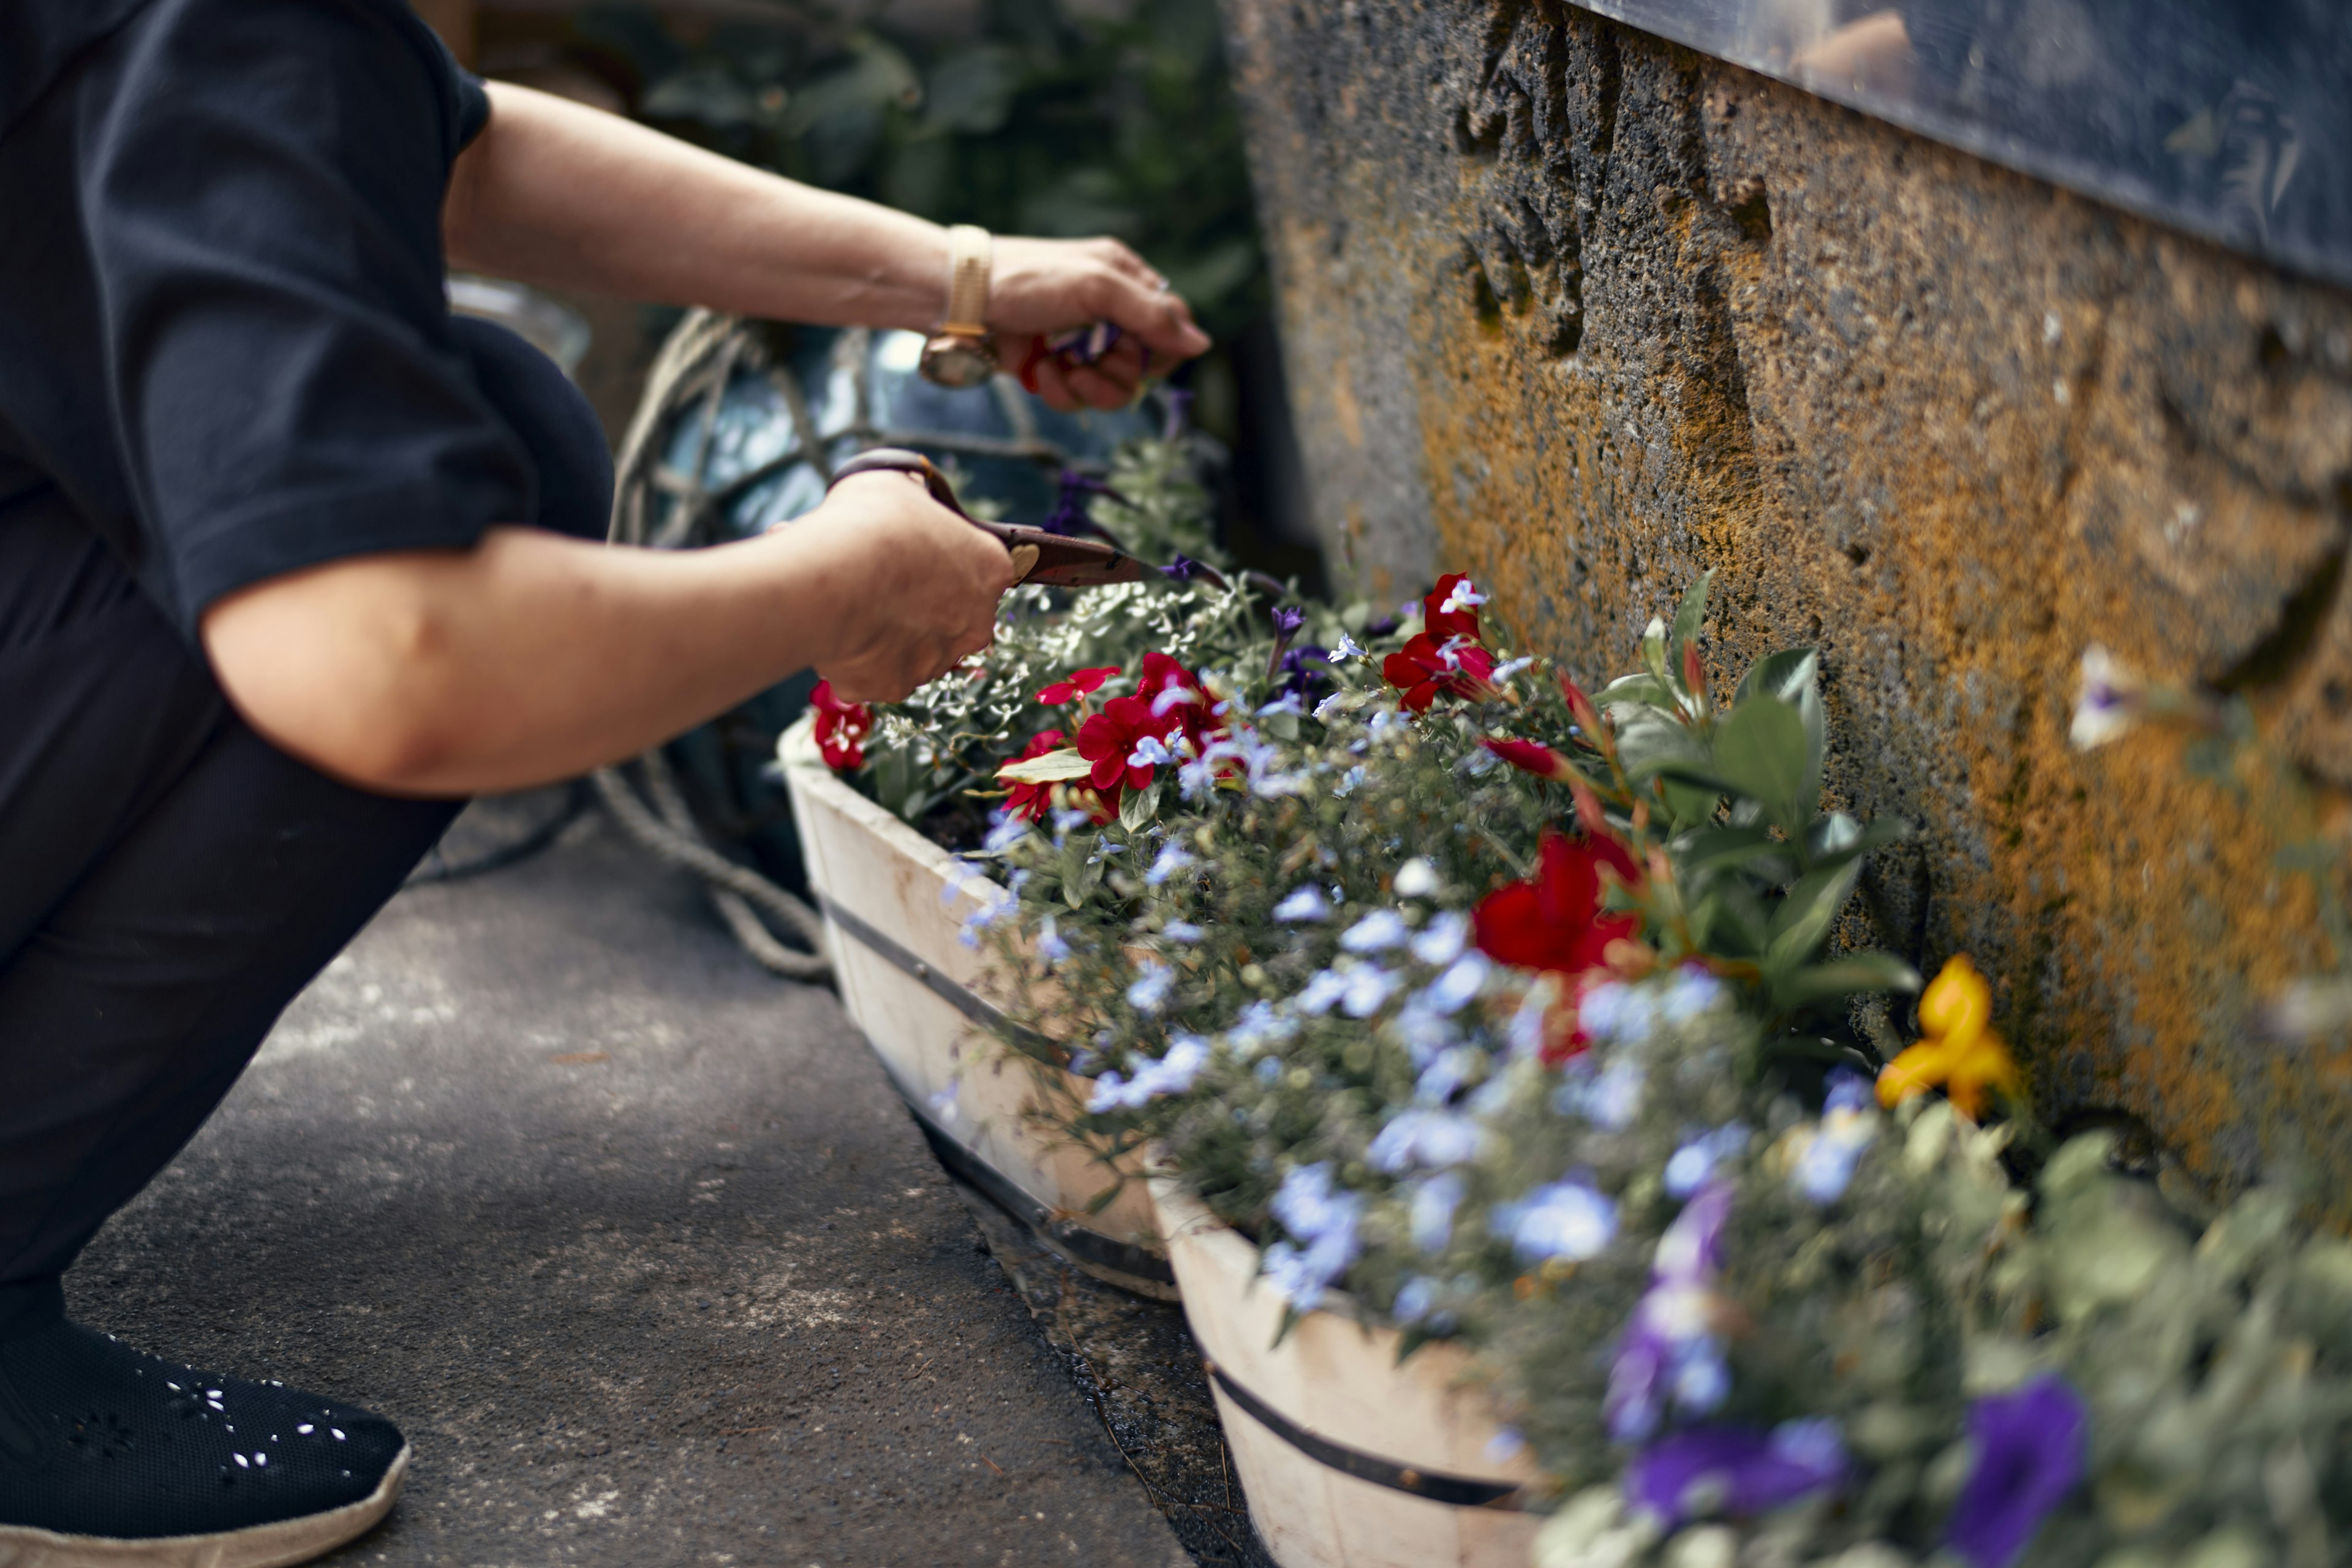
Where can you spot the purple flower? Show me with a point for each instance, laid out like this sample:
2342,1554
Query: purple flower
2029,1448
1069,514
1734,1471
1182,569
1670,1350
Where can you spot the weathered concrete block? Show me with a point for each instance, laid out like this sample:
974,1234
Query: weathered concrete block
1584,313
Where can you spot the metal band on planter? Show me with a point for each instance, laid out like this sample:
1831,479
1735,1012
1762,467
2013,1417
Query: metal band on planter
1088,1245
1457,1491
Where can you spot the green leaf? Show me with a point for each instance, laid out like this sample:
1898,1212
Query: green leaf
1855,972
1688,614
1761,751
1690,804
1630,690
1730,922
1053,768
1654,655
1838,836
1138,806
1785,675
1805,916
1714,848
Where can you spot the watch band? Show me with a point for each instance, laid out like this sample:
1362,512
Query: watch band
970,252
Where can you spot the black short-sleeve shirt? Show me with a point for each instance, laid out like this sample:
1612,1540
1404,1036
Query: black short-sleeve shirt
224,344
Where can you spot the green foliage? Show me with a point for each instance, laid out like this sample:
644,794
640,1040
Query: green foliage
1049,121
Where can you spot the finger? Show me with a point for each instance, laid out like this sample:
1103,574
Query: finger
1124,363
1098,389
1054,386
1158,316
1118,254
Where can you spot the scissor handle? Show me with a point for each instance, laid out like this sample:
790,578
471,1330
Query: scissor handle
1037,555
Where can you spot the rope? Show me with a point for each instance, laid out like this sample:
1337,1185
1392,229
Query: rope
659,507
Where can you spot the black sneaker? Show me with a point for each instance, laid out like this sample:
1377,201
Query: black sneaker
111,1457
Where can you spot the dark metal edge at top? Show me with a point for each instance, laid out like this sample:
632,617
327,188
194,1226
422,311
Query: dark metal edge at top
2229,121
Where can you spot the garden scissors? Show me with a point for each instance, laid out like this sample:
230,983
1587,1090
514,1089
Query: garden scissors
1040,557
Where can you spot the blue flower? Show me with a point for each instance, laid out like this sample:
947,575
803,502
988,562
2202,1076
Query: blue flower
1051,945
1260,1024
1308,1208
1349,781
1566,1219
1459,985
1172,858
1368,990
1268,1069
1446,1074
1304,903
1692,994
1848,1091
1444,939
1377,933
1347,649
1414,1297
1182,931
2029,1453
1149,992
1005,829
1736,1470
1609,1098
1823,1159
1437,1139
1288,702
1506,1445
1696,1160
1433,1202
1171,1074
1614,1013
1151,753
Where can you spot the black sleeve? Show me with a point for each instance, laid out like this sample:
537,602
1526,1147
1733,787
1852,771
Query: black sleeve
264,217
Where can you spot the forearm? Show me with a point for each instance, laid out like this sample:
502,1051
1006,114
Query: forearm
556,193
527,658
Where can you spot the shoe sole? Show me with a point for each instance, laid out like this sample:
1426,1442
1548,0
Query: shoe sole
278,1545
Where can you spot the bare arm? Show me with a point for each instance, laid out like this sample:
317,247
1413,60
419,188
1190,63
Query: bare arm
555,192
532,657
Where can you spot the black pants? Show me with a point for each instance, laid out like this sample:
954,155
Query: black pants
169,881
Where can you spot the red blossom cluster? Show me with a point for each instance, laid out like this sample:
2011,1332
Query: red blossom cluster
1553,922
1033,800
1168,706
1446,657
841,728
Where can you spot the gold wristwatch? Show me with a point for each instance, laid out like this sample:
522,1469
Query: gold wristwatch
959,354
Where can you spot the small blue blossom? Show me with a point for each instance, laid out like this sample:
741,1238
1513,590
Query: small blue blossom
1565,1219
1350,782
1608,1098
1417,879
1304,903
1443,943
1149,992
1434,1202
1260,1024
1183,930
1692,994
1459,985
1005,829
1377,933
1347,649
1694,1162
1614,1013
1414,1297
1446,1074
1150,753
1424,1029
1508,668
1321,993
1269,1068
1848,1090
1052,946
1326,1221
1368,990
1433,1139
1171,1074
943,1105
1505,1445
1824,1160
1464,596
1288,702
1068,821
1172,858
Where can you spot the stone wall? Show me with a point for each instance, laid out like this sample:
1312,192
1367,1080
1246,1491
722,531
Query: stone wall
1583,313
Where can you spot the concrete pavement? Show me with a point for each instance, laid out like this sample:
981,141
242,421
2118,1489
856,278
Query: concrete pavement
633,1240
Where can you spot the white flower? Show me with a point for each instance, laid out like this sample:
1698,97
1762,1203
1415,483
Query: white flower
1433,1202
1464,596
1321,993
2109,700
1508,668
1417,879
1150,753
1347,650
1171,1074
1183,930
1288,702
1349,781
1051,945
1377,933
1260,1024
1305,902
1368,989
1437,1139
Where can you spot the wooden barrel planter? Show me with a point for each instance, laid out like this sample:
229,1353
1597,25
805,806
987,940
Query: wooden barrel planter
895,912
1349,1458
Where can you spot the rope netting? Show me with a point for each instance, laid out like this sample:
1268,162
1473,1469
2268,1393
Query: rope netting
665,499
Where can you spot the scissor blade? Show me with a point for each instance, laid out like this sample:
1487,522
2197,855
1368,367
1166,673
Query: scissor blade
1068,563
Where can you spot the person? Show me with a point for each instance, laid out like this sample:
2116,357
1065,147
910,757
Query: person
291,562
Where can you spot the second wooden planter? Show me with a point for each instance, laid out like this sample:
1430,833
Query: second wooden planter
1350,1458
895,911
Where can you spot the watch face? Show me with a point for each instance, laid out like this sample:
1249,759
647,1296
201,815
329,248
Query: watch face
958,361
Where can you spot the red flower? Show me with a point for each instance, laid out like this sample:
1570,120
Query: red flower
1554,921
1426,667
1532,757
1461,620
1168,704
841,728
1077,684
1033,800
